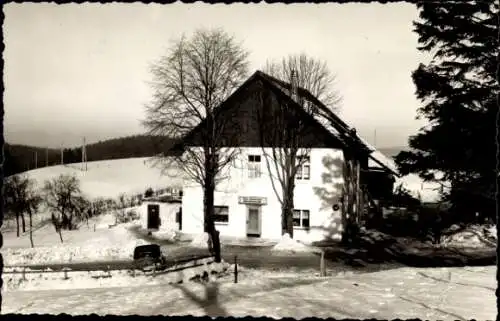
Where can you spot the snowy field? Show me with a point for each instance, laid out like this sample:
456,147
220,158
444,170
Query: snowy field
82,245
445,293
418,188
110,178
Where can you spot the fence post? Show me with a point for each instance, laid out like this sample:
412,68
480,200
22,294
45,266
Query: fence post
236,269
108,270
65,273
322,270
24,273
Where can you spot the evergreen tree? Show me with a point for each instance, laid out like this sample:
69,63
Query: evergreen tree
458,89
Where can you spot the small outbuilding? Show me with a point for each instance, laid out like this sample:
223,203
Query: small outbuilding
162,212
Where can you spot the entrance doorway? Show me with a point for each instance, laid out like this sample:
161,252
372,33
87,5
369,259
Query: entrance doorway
153,216
253,221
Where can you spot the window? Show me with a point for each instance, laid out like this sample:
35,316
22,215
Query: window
254,166
304,167
301,219
221,214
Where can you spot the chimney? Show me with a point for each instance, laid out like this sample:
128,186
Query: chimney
293,82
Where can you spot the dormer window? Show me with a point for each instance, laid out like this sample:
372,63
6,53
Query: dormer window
254,166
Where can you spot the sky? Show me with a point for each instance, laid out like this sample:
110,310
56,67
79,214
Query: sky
74,71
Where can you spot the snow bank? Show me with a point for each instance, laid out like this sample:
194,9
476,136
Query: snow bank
288,244
102,279
476,236
117,244
200,240
169,235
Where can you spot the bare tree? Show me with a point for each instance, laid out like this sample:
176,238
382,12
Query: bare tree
33,202
63,197
312,74
286,133
122,204
21,197
190,82
14,187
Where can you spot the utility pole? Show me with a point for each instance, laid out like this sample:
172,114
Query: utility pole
84,156
47,157
36,160
62,156
375,137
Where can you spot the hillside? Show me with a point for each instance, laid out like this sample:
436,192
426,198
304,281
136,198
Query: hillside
20,158
110,178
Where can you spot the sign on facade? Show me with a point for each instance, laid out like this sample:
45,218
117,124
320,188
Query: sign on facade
254,200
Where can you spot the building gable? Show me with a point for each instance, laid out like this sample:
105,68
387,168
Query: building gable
249,113
239,128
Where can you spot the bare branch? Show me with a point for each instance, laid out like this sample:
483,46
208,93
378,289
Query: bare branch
284,130
313,75
189,83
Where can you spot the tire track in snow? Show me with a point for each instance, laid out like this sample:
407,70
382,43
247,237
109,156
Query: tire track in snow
459,283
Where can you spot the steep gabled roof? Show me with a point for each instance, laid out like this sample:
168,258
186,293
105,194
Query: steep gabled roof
322,115
336,126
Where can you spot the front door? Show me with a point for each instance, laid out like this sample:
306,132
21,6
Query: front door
253,221
153,216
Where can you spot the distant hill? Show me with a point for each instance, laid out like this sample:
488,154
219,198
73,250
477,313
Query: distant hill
20,158
109,178
392,151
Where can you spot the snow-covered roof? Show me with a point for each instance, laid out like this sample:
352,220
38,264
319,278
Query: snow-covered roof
379,158
333,123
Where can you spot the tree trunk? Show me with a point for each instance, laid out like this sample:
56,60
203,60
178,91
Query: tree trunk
70,221
31,227
352,227
287,208
17,222
24,222
208,213
348,198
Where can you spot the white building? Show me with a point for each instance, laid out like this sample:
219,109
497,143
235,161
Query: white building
247,201
161,213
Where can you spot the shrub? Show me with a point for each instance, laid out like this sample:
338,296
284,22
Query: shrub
423,223
128,216
149,192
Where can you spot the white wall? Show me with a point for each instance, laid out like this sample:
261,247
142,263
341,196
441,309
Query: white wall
167,215
317,195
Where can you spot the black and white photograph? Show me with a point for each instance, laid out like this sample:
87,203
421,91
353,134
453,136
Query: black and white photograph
329,160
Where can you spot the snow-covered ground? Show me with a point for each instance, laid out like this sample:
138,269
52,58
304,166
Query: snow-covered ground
445,293
476,236
425,191
110,178
287,244
84,244
98,279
